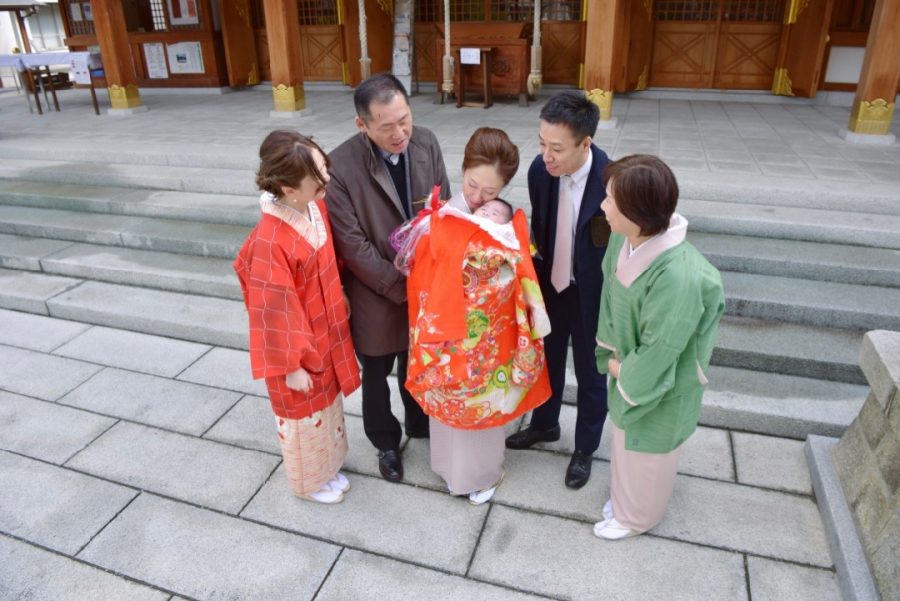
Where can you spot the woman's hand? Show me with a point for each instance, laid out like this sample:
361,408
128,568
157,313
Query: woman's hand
299,380
613,366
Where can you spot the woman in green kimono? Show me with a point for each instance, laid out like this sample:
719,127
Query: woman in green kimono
659,310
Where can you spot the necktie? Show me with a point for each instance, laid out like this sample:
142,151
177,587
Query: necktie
561,272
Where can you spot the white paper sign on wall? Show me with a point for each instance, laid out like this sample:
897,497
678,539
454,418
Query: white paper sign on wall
470,56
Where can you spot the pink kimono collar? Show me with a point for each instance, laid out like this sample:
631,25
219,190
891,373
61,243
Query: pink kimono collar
628,269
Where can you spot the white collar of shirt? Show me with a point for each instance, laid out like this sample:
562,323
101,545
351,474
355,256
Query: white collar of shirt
393,158
579,178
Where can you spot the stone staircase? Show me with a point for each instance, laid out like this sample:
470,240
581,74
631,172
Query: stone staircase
143,241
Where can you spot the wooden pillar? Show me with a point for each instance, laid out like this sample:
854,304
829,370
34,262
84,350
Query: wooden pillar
285,60
112,35
873,107
600,53
20,20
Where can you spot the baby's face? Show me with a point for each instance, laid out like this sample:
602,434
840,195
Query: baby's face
495,211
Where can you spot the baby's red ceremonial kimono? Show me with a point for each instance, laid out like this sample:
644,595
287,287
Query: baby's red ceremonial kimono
477,322
298,315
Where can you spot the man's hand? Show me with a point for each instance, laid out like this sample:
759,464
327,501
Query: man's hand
299,380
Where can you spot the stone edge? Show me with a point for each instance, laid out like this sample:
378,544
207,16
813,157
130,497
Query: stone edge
854,576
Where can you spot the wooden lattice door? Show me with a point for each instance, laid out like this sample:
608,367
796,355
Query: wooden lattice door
729,44
321,39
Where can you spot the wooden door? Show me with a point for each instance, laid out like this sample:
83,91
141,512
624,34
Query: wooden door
240,43
803,48
730,44
321,40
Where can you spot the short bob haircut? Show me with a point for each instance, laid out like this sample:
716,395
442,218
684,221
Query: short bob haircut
285,159
491,146
645,191
379,88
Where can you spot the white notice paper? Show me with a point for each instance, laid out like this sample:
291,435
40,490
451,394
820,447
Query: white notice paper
79,71
156,61
470,56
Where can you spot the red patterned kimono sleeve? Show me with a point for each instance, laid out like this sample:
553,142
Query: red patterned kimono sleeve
281,340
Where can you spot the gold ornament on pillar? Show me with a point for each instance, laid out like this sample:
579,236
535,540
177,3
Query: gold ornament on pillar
253,75
642,79
871,116
288,98
124,97
793,9
603,99
781,83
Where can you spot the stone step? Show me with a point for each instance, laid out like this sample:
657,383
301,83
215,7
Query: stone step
791,349
186,237
826,304
792,223
163,204
192,179
806,260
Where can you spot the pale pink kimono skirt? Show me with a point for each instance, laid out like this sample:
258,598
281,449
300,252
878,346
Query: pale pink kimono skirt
641,484
313,447
467,460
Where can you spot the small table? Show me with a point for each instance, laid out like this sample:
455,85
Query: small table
29,64
459,80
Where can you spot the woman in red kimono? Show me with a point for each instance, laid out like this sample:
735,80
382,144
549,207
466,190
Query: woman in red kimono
477,322
299,331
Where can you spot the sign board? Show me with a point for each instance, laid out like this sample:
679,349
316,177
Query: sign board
470,56
183,12
185,57
80,71
156,61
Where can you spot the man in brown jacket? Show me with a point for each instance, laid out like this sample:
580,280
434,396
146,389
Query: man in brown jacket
378,178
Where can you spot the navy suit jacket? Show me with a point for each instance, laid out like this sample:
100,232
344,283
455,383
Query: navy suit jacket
591,233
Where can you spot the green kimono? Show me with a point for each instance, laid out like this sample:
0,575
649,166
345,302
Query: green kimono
659,311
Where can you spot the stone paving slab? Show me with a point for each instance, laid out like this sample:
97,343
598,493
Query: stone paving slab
28,291
779,405
36,332
39,375
55,507
46,431
64,196
194,206
771,462
563,559
776,581
151,400
225,368
21,252
362,576
33,574
184,316
187,237
96,228
195,470
205,555
410,523
249,424
706,453
205,276
134,351
743,518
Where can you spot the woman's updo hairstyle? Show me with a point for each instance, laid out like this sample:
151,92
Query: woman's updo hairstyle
286,158
645,191
491,146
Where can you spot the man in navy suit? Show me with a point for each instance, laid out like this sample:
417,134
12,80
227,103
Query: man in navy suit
565,184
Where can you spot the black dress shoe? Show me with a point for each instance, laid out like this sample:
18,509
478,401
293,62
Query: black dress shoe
579,469
524,439
390,465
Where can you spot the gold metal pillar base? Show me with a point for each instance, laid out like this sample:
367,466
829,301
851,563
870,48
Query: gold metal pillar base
604,100
781,83
289,99
124,97
871,116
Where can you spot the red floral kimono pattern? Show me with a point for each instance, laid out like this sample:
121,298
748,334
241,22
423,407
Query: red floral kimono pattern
297,312
477,322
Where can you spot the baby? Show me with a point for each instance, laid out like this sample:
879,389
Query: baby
497,210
